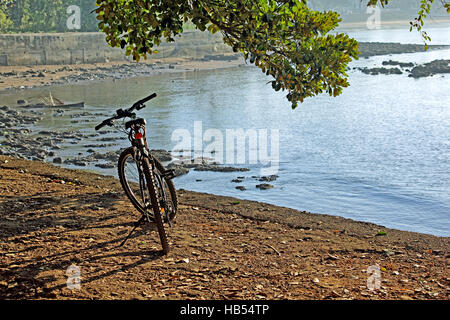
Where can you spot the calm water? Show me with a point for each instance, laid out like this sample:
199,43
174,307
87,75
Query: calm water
380,152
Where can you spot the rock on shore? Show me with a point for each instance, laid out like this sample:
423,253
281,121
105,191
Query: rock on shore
431,68
376,71
419,71
183,167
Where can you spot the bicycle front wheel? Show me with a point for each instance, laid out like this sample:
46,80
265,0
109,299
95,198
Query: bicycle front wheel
150,178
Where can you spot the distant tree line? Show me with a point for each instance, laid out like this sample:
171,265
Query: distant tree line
45,16
51,15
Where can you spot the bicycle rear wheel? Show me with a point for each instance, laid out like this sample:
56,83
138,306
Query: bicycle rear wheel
135,186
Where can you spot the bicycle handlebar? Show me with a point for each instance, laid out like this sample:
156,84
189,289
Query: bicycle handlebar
101,125
126,113
140,103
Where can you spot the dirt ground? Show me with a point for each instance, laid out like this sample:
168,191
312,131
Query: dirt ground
222,248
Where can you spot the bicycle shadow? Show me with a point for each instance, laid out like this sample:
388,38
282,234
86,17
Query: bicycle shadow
148,257
37,212
23,216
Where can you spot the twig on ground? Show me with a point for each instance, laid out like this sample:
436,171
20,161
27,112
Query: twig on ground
278,253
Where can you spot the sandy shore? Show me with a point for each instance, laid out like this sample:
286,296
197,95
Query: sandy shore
223,248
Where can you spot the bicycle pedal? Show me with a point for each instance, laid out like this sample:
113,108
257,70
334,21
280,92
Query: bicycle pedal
169,174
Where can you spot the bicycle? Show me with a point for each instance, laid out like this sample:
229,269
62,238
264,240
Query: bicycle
147,184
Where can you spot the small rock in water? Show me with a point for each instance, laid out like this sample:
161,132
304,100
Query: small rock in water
269,178
162,155
106,165
264,186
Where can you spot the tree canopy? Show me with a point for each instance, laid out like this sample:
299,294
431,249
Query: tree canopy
285,39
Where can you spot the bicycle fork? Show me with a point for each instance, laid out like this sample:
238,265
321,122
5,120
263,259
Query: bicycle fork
143,185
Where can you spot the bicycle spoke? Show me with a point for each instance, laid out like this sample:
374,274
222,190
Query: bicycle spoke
136,182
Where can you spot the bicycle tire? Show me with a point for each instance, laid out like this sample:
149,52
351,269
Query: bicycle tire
128,190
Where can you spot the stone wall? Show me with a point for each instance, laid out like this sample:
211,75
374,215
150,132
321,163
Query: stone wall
77,48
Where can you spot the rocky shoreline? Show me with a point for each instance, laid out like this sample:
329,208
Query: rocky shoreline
22,137
19,78
21,141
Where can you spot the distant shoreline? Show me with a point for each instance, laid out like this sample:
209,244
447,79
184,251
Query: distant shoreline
391,24
22,77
